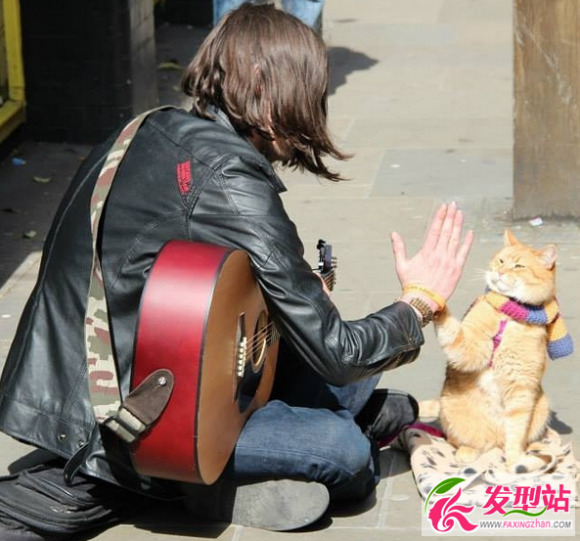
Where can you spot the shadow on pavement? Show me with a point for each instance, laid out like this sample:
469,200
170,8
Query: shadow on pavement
558,425
343,62
31,188
169,518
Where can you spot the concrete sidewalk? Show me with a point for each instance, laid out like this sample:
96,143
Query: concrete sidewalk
421,92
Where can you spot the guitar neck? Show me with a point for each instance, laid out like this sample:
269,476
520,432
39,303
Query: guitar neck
329,278
326,264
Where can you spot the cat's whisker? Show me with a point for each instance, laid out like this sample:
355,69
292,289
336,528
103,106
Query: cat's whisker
478,275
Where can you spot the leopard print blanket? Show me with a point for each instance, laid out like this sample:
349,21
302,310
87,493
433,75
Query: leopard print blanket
433,461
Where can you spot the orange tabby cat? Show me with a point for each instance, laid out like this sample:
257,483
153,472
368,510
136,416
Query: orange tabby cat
492,395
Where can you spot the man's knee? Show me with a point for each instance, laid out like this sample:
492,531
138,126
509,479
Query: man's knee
348,447
316,444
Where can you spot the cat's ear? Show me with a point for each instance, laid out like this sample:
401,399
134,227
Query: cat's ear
509,238
548,256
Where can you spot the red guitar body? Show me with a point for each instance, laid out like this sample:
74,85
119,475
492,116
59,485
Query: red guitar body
203,317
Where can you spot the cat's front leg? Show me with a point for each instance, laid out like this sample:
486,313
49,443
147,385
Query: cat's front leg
461,343
447,328
519,417
429,408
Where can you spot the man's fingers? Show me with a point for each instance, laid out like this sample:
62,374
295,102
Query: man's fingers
447,227
456,233
435,229
465,248
324,286
398,248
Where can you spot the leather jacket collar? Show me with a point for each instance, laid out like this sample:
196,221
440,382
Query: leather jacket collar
222,119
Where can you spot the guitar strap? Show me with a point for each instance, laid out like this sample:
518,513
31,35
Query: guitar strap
131,417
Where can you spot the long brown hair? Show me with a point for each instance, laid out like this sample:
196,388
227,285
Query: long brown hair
269,73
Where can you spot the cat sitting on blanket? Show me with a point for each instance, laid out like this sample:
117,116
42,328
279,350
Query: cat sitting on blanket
496,357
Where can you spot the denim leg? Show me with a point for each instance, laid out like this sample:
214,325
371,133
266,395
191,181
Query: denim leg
221,7
280,441
308,11
354,396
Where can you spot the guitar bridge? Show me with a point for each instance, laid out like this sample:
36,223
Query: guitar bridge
241,357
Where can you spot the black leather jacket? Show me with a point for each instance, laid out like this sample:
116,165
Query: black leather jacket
233,199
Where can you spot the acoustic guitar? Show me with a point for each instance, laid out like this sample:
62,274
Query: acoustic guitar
203,317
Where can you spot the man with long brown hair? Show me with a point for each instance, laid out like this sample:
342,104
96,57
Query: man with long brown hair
259,88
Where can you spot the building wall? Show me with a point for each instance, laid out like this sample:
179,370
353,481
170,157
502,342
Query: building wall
89,66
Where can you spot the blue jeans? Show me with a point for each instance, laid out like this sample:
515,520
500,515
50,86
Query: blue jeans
308,11
319,443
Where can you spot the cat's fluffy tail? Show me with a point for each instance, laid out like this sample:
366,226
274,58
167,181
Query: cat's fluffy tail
429,408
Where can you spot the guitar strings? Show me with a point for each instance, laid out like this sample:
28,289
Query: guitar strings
258,338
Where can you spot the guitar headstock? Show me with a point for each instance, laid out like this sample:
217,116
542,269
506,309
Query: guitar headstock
326,263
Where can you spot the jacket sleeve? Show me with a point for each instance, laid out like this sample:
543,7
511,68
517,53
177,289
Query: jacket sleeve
340,351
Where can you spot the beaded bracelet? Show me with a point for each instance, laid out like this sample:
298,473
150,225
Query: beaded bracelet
427,292
424,309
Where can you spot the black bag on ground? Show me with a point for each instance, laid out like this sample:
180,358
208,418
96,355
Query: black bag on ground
36,503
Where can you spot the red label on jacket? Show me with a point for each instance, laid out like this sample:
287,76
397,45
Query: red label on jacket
184,177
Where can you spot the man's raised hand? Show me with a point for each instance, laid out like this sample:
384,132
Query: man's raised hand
439,263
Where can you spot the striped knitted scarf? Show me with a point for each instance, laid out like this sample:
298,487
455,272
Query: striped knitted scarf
559,341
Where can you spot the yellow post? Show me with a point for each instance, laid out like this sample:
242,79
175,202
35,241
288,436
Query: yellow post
12,111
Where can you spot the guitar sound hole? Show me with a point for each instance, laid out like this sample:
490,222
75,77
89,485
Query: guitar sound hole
256,355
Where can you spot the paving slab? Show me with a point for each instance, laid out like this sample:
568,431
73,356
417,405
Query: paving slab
359,171
459,173
460,11
431,133
383,12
